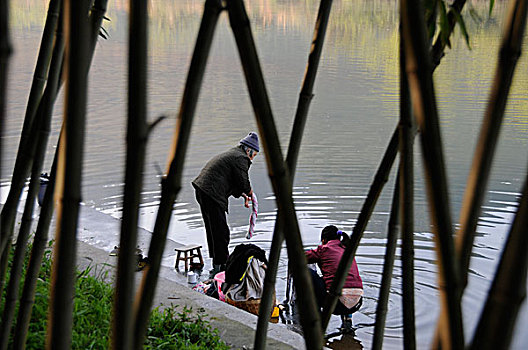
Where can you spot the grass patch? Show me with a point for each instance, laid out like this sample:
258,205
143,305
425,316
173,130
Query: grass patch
92,317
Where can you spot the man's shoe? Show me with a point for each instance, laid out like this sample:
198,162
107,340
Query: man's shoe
216,269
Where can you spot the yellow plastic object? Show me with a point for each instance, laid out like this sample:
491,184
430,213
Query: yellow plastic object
275,312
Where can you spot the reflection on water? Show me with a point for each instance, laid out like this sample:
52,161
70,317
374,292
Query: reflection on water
352,116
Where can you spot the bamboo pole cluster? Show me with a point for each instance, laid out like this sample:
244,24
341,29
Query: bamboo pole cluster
413,41
66,51
84,24
42,125
26,149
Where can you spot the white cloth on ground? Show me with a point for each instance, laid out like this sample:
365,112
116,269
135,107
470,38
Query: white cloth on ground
252,284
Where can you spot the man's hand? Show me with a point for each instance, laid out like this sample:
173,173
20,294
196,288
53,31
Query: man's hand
246,200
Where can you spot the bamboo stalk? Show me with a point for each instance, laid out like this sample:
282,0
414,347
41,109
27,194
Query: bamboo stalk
509,54
26,147
69,177
305,97
309,316
123,321
508,290
424,103
406,137
388,265
171,184
44,124
39,245
343,268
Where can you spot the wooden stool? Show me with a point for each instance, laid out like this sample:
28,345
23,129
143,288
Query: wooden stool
189,253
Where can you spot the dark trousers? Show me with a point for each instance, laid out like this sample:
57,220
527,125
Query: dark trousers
320,295
216,228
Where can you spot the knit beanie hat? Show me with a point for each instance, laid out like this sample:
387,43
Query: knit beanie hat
251,140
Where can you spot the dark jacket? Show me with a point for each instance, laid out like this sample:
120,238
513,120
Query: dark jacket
237,262
225,175
327,256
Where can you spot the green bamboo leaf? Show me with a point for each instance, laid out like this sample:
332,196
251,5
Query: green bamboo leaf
444,24
462,26
431,15
492,2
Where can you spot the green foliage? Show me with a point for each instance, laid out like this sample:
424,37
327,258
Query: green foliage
431,15
37,326
438,20
169,330
444,24
462,26
93,306
92,317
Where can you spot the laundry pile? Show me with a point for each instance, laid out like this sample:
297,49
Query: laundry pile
242,283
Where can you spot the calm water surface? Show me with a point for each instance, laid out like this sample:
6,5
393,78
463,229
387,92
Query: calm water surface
352,116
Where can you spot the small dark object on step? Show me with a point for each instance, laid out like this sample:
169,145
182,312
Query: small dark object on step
44,180
142,262
115,251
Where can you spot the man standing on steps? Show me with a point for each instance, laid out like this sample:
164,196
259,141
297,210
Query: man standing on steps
225,175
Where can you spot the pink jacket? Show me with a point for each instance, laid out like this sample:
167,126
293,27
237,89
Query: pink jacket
327,256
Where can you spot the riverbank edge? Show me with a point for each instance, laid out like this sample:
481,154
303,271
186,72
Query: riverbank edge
236,327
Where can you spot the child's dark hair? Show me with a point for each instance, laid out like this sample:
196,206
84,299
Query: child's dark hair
331,232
